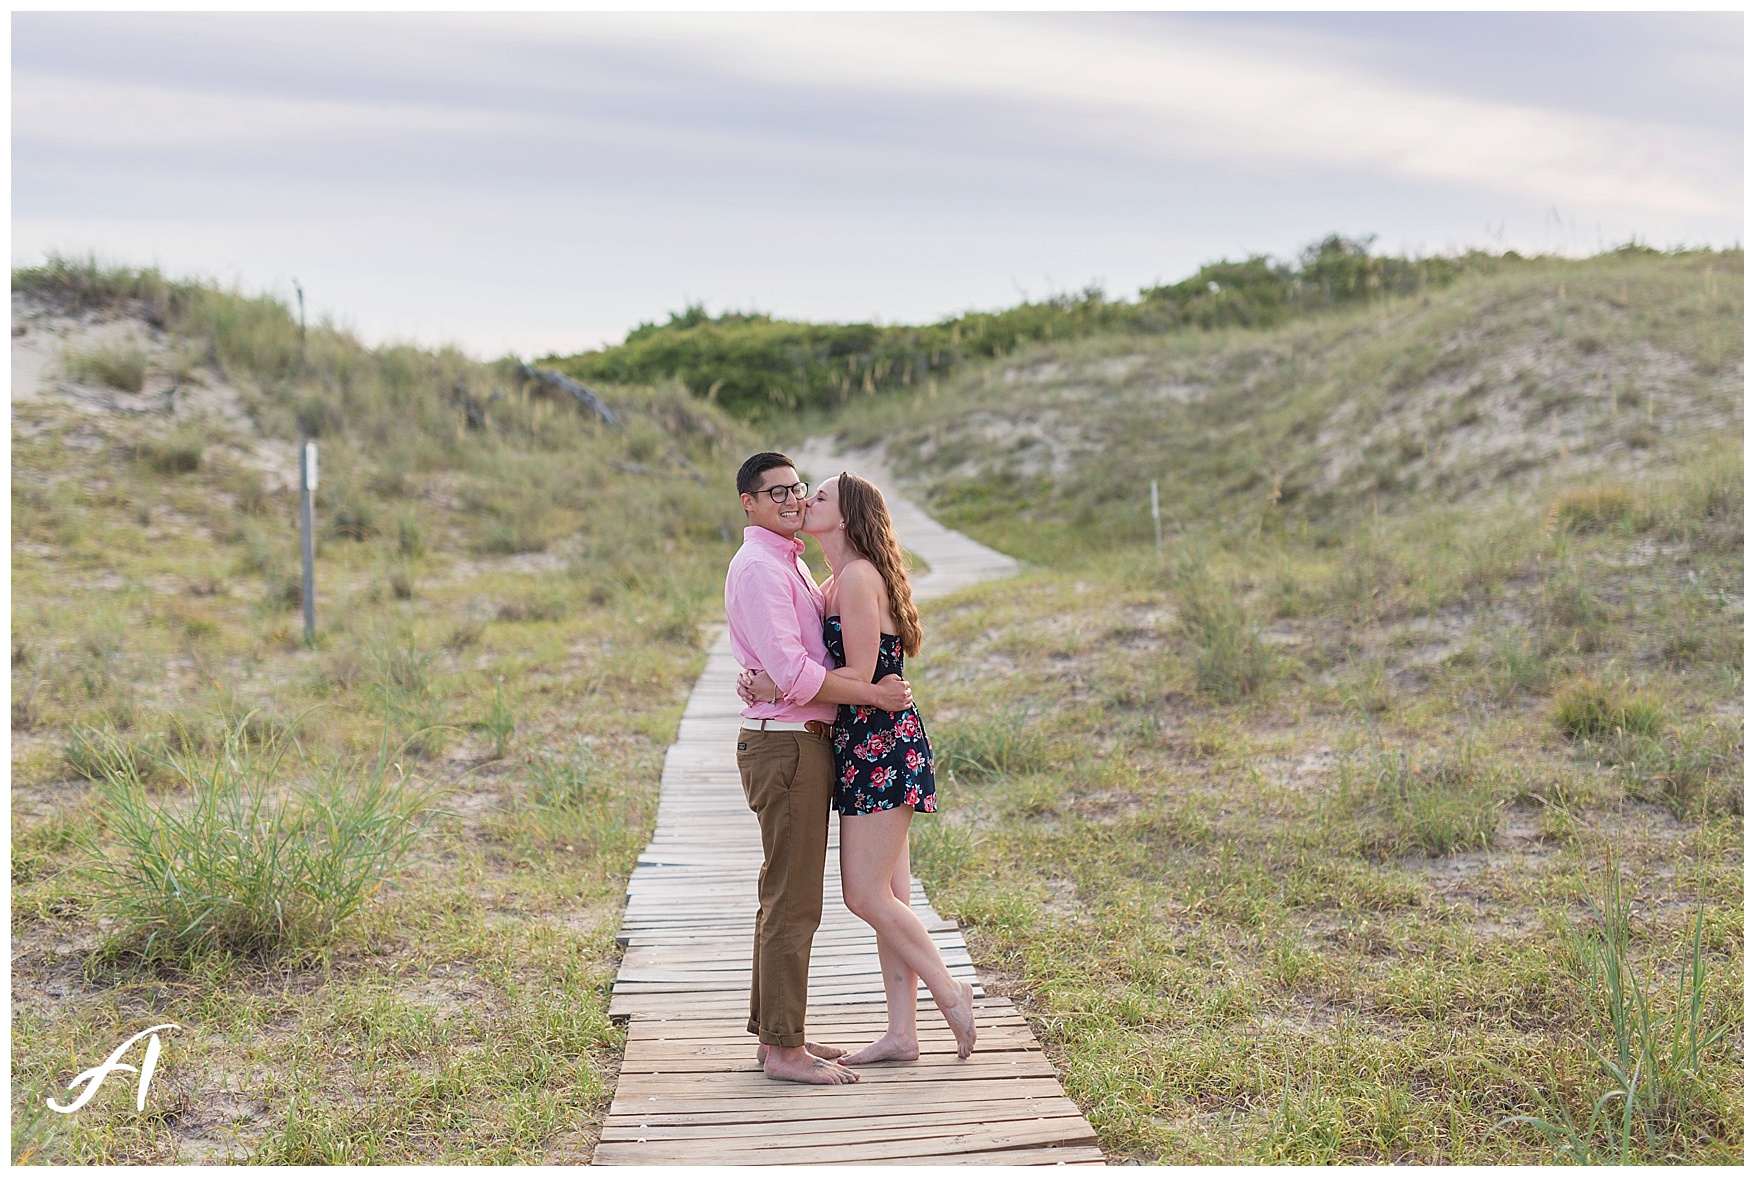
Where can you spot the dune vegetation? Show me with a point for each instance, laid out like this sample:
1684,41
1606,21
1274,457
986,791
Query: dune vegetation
759,366
376,880
1391,811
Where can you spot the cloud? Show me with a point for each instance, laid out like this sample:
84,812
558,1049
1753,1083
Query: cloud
123,116
1158,91
1176,92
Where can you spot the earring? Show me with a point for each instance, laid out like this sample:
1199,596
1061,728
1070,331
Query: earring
842,526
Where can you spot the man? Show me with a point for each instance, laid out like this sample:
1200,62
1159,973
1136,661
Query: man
786,758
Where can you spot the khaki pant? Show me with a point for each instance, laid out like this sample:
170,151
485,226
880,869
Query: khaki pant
788,778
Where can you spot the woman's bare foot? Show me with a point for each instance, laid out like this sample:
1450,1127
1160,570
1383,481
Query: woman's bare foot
961,1018
900,1048
829,1052
795,1064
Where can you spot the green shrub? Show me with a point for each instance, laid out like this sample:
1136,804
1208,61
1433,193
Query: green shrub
234,864
347,513
1231,660
44,849
941,851
118,365
1704,504
1000,745
500,722
577,804
1572,607
677,621
1516,665
1690,770
1590,709
1657,1103
90,752
755,364
178,453
550,607
1449,804
528,527
1595,508
401,686
410,544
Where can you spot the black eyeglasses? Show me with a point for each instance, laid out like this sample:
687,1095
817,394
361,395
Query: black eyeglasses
779,493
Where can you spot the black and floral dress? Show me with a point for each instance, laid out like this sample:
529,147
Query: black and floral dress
882,758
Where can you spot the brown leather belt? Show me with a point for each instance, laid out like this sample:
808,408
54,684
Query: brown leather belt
815,727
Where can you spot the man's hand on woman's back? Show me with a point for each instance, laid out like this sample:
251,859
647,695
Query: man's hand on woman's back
890,693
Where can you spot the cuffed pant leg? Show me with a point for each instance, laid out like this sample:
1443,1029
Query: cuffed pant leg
787,780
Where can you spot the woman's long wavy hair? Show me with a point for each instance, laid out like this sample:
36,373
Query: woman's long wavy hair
870,533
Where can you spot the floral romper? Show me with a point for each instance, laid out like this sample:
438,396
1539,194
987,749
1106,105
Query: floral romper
882,758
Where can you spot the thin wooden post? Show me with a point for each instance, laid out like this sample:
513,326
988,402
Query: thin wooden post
307,485
1157,523
301,291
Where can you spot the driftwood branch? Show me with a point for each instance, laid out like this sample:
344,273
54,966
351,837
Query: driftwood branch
586,397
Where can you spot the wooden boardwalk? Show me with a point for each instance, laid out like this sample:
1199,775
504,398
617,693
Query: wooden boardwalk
690,1092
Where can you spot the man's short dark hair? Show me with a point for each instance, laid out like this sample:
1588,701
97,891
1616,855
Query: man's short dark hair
749,475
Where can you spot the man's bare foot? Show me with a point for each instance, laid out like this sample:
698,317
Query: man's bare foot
901,1048
795,1064
816,1048
961,1018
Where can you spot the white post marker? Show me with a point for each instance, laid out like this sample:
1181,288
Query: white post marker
308,484
1157,527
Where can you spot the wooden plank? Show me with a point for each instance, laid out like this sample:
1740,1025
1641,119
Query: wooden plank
1081,1156
753,1117
886,1126
725,1139
803,1102
1071,1130
649,1081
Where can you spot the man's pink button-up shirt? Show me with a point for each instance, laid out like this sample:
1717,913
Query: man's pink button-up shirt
775,613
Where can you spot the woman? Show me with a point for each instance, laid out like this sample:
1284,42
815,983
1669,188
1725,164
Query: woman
883,763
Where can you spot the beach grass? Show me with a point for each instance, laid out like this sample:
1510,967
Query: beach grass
369,878
1392,814
1307,860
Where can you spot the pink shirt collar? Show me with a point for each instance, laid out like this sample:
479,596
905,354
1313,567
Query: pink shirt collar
773,541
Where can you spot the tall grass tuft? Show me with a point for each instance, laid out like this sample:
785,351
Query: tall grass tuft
1691,770
1595,508
120,365
578,804
1231,660
1437,808
500,722
1001,745
941,852
1656,1101
401,684
177,453
91,752
1589,709
233,861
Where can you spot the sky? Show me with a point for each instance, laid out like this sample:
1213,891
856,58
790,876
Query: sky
540,183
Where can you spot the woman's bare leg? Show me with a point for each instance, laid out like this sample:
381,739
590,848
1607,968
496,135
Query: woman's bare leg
901,1040
871,843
